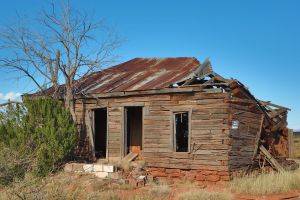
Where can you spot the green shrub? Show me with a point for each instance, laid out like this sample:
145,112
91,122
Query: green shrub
38,136
15,156
12,125
53,133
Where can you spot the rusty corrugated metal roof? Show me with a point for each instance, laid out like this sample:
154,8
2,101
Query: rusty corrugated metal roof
140,74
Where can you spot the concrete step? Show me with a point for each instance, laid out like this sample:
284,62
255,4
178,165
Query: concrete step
83,167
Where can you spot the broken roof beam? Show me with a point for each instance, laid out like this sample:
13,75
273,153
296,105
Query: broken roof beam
205,69
241,100
220,78
277,113
268,103
206,84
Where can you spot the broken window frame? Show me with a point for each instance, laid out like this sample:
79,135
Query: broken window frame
189,113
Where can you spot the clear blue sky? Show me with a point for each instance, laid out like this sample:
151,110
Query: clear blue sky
257,42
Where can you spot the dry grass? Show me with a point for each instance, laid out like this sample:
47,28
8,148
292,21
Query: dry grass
125,165
61,187
194,191
77,186
296,145
29,188
190,185
125,186
154,191
140,197
264,184
160,190
196,195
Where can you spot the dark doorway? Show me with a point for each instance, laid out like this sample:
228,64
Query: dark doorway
133,130
100,133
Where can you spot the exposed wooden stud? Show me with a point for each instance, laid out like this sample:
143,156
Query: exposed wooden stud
271,159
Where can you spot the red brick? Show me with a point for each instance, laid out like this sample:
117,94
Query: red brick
191,175
158,174
170,171
156,169
209,172
200,177
223,173
175,175
213,178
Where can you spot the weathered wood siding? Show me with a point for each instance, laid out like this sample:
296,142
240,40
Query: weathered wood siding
294,145
209,123
244,139
209,132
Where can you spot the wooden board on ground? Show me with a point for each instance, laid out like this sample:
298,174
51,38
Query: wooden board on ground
130,157
271,159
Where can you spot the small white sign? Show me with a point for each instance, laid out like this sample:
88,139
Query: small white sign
235,124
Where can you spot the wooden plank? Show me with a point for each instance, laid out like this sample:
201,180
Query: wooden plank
271,159
258,135
149,92
130,157
291,143
91,132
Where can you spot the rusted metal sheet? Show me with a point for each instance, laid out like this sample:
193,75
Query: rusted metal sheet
140,74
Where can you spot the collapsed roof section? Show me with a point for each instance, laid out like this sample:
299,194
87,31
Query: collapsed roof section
205,77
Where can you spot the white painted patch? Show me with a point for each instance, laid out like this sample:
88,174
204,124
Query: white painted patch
98,168
108,168
88,168
235,124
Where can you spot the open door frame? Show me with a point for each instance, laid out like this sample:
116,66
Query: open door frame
91,131
124,148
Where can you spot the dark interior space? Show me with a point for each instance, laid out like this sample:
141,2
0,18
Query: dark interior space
100,132
134,117
182,131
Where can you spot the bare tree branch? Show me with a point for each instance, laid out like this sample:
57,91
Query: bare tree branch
58,51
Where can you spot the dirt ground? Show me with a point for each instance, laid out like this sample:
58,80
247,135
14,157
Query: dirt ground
86,186
93,185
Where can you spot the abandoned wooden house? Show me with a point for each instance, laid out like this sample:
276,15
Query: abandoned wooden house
179,116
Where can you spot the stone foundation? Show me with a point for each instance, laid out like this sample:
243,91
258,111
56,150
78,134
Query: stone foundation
193,175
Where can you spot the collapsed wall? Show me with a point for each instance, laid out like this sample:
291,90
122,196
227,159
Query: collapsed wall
277,142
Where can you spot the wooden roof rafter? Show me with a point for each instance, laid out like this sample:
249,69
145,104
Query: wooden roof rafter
203,71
